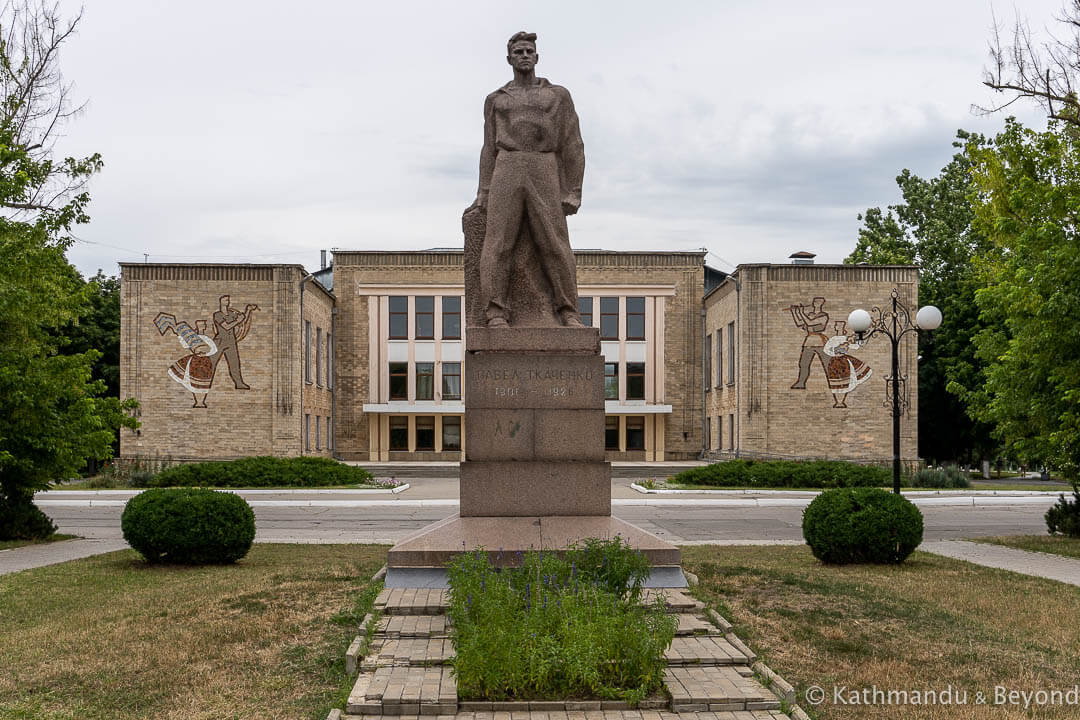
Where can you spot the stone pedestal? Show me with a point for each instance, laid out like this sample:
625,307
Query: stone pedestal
534,475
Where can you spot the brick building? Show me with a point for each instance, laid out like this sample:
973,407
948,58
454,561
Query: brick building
363,360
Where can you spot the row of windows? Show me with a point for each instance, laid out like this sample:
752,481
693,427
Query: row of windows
635,433
425,380
720,356
729,433
425,432
324,360
635,381
424,317
609,316
319,425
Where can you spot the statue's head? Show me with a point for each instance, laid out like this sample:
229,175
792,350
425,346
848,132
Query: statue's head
521,51
223,302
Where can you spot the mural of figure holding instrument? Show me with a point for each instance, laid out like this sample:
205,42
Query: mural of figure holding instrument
844,372
195,371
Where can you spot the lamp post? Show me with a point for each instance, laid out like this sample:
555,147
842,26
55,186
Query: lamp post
894,324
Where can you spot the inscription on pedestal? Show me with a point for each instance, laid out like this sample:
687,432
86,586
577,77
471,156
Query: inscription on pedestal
516,381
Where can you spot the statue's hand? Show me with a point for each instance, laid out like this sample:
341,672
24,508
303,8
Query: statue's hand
570,205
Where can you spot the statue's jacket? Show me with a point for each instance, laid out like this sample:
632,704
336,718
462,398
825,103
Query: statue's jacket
540,119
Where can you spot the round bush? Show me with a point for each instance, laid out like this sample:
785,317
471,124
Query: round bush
862,525
189,526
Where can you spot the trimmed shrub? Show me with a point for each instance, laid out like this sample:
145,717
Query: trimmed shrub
1064,517
862,525
261,472
21,519
786,473
190,526
946,477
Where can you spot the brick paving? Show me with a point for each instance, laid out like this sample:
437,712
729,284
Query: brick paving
406,674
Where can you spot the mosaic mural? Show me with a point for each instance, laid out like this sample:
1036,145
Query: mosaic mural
196,370
843,371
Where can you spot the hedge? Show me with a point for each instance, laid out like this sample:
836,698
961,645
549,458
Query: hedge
262,472
786,473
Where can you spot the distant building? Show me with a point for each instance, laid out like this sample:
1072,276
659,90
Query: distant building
363,360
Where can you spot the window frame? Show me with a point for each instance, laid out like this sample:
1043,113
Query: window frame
583,313
731,353
451,421
629,429
424,370
423,315
632,376
607,315
708,363
397,420
403,372
454,313
443,394
417,429
318,358
611,376
398,314
631,315
307,352
611,424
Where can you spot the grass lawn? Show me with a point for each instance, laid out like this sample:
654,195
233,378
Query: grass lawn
1055,544
55,537
924,625
111,637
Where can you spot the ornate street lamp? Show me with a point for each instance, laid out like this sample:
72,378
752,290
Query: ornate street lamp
894,324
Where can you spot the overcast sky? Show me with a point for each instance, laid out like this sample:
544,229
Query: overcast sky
244,131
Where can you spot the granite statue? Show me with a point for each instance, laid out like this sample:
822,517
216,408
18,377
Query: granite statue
531,169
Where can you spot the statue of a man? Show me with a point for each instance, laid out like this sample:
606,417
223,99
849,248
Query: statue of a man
531,170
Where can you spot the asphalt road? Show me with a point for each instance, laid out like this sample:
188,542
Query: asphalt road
681,520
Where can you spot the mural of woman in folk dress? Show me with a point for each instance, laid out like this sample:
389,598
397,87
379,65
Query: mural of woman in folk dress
844,371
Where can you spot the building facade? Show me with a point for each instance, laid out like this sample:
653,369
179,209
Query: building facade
364,360
786,379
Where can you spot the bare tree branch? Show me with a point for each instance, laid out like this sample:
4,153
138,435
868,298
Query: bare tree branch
1044,72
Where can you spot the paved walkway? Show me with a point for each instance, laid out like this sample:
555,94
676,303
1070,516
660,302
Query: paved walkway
35,556
1045,565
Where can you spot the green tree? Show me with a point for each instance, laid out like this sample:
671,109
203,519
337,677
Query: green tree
1027,203
52,417
933,228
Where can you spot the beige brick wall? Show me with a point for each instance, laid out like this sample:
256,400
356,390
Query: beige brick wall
721,398
235,422
774,419
317,397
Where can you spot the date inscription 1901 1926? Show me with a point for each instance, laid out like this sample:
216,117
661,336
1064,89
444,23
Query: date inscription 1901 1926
514,383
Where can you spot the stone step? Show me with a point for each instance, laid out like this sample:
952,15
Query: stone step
416,652
412,601
715,689
704,650
609,715
694,625
416,626
676,600
404,690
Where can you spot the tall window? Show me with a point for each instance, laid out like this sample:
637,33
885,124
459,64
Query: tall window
399,381
318,432
731,430
708,433
451,317
635,318
329,436
635,432
609,318
307,433
635,381
425,317
425,381
318,356
611,433
584,305
329,361
307,351
425,432
451,381
399,432
708,362
731,353
451,432
399,317
719,357
611,381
